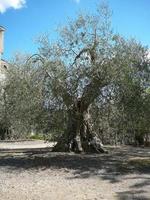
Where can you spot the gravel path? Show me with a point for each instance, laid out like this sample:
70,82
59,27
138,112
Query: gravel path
123,174
26,144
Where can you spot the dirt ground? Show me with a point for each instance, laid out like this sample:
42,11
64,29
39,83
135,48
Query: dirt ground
122,174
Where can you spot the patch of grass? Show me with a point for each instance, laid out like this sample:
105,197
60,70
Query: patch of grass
37,137
140,164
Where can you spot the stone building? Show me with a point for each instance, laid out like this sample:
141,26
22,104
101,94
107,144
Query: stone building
3,63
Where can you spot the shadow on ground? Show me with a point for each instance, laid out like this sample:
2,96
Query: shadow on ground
132,195
112,166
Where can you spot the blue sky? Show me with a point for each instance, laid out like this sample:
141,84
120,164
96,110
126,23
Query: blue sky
25,20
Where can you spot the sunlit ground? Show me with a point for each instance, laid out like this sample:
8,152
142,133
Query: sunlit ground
123,174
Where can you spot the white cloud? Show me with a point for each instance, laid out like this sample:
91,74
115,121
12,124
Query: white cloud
15,4
77,1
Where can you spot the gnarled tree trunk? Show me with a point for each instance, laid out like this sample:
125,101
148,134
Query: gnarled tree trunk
79,136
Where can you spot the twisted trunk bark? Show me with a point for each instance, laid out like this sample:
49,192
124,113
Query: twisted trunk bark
79,136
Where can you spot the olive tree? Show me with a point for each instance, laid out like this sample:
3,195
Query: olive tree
81,66
21,99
